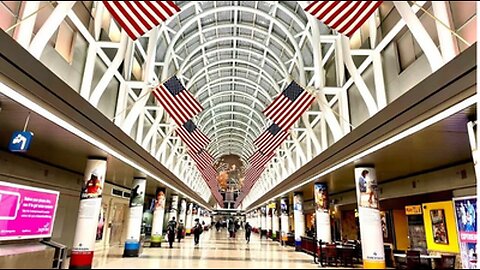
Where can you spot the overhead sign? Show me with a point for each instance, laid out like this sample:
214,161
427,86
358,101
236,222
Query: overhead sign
26,212
413,210
20,141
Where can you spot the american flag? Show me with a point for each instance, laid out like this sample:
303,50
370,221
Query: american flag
345,17
289,106
192,136
259,160
139,17
177,101
270,139
202,158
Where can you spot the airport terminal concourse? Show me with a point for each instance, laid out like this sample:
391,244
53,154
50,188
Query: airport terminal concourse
239,134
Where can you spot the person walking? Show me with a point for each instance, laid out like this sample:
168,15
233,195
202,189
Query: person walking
231,227
180,230
248,232
197,230
171,227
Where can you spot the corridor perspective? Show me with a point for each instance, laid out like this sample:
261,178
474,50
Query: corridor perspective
332,134
216,250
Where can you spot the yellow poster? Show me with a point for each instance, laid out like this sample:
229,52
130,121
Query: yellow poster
440,227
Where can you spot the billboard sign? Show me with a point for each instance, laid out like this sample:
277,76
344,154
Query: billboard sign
26,212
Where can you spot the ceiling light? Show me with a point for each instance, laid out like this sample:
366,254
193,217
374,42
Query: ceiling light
24,101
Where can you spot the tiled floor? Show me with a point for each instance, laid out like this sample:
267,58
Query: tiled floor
214,251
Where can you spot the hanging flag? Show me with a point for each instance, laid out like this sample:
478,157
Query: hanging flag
202,158
177,101
270,139
345,17
139,17
287,108
259,160
192,136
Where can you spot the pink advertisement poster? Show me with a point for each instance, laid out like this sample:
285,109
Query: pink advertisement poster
26,212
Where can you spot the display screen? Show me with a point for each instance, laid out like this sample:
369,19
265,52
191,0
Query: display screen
26,212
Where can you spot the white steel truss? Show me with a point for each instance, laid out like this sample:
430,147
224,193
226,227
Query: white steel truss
235,57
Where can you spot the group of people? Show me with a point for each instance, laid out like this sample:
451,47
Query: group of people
179,229
233,226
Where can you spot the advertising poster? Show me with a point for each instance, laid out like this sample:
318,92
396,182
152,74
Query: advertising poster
439,226
322,215
88,214
369,216
173,209
134,227
101,222
183,211
189,221
26,212
367,188
158,215
284,206
284,218
465,213
321,197
298,217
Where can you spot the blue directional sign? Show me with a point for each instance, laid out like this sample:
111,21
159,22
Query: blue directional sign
20,141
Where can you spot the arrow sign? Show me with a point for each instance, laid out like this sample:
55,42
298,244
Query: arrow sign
20,141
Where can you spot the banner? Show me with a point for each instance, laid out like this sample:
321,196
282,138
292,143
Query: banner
26,212
88,213
173,209
298,217
183,211
322,215
465,214
189,221
158,215
369,216
284,217
134,226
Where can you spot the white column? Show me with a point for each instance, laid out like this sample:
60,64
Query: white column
269,220
369,216
298,218
275,222
158,216
173,208
183,212
88,214
134,225
259,219
284,218
263,218
321,212
189,221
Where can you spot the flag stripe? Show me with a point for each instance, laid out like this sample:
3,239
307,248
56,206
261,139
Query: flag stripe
181,115
293,112
139,17
294,115
120,18
346,17
365,16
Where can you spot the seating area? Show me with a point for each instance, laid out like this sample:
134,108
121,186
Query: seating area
345,254
414,259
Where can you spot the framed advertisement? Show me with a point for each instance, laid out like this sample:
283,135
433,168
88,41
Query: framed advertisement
465,216
26,212
439,226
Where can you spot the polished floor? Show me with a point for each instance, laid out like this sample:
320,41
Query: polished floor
215,250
